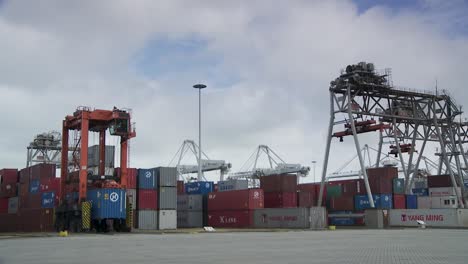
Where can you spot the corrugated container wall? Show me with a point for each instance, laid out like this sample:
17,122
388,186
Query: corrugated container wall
443,202
232,185
444,191
107,203
147,179
411,201
381,179
279,183
8,190
49,200
167,176
147,199
424,202
180,187
231,219
440,181
341,203
399,201
199,187
189,219
398,186
381,201
280,199
236,200
190,202
420,191
282,218
306,199
333,191
167,198
148,219
132,177
8,176
167,219
3,205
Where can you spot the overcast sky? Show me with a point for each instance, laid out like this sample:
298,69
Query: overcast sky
267,64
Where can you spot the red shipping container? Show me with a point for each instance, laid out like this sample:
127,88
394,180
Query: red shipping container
306,199
33,201
49,185
8,176
381,179
3,205
399,201
343,203
8,190
180,187
43,220
231,219
279,183
24,175
147,199
236,200
42,171
9,223
437,181
280,199
132,174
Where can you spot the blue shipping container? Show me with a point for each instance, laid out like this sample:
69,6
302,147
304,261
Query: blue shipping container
34,186
341,221
421,191
381,201
199,187
107,203
411,201
147,179
48,200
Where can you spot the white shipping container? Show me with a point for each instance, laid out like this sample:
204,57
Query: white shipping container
424,202
232,185
432,217
148,219
167,219
443,191
444,202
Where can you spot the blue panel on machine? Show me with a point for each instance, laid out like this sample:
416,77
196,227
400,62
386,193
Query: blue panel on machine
107,203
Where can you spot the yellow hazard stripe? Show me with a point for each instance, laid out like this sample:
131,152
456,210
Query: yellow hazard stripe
86,215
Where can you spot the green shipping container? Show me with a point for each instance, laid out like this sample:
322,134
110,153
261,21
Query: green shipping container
333,191
398,186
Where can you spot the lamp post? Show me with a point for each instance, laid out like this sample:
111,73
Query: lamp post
314,162
199,87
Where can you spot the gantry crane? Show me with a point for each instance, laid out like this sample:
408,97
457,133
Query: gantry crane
361,92
86,120
277,165
207,163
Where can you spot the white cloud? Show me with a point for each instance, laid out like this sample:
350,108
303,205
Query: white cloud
58,56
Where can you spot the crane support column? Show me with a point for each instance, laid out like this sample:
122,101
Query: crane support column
84,155
446,160
64,160
416,167
327,149
379,152
102,152
123,161
358,149
399,150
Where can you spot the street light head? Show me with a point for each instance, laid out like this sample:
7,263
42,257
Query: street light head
199,86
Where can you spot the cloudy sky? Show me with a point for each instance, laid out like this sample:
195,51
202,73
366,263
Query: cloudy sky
267,64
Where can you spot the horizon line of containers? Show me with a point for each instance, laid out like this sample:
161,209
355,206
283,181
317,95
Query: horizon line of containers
28,199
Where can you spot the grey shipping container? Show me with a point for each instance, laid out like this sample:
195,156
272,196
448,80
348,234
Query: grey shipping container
13,205
190,202
282,218
93,156
167,219
231,185
148,219
167,176
167,198
132,197
186,219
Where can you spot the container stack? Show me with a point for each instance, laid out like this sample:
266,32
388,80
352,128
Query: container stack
147,203
280,191
340,197
8,200
167,197
234,209
190,210
201,189
442,193
132,184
